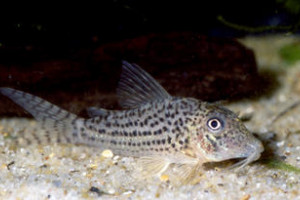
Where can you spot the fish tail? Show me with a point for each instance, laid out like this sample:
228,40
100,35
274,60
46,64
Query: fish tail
58,125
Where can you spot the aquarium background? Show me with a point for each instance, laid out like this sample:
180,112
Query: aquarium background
60,28
73,52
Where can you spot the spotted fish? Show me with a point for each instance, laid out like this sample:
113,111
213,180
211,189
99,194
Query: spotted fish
161,129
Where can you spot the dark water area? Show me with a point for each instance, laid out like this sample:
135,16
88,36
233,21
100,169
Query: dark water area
87,24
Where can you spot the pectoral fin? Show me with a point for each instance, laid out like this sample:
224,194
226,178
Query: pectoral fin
185,173
153,165
183,170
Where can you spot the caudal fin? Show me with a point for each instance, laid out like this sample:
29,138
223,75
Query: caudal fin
58,124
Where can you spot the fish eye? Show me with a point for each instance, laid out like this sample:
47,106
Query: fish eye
215,124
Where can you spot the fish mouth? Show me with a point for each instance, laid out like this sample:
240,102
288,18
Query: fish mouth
240,161
246,161
255,149
255,155
252,152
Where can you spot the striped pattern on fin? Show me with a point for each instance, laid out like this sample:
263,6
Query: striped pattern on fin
56,122
137,87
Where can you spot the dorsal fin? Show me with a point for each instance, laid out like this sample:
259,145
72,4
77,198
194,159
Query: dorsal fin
137,87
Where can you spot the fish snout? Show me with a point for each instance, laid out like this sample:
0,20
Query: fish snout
253,150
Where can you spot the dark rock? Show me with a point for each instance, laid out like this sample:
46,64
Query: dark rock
186,64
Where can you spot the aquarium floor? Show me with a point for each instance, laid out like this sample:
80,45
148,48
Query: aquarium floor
79,172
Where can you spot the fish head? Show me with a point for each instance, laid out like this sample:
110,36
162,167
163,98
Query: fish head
220,135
